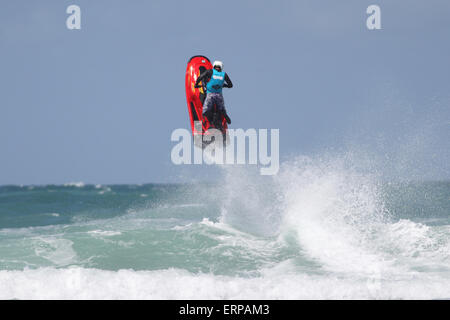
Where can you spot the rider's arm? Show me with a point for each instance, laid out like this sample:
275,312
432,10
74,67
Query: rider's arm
228,83
205,75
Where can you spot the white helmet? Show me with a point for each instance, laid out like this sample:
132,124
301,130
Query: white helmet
218,63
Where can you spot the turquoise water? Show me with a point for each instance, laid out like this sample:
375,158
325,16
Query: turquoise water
313,231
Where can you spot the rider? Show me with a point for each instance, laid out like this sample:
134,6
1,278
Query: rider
216,80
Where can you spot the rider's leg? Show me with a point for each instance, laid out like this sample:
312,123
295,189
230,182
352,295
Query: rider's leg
220,103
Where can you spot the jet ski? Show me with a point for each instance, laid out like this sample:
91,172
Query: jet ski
195,98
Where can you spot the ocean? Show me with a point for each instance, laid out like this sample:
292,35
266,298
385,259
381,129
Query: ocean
317,230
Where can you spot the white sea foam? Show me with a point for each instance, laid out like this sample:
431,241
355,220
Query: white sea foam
179,228
74,184
334,212
80,283
52,214
339,220
106,233
104,190
55,249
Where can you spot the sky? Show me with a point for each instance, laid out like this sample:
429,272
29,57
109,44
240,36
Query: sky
99,104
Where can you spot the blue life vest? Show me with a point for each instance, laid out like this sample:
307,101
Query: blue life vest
215,84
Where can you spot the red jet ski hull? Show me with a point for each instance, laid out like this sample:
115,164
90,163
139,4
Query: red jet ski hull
195,96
